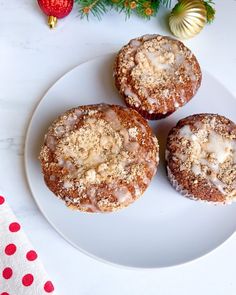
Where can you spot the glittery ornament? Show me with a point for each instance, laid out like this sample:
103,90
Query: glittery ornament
188,18
55,9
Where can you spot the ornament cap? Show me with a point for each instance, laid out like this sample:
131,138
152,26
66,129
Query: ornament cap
52,21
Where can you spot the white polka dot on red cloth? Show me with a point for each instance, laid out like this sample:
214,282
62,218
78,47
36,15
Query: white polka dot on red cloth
27,280
7,273
2,200
14,227
10,249
31,255
48,287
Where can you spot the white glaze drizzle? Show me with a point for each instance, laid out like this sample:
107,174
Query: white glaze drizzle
179,59
176,104
137,190
67,184
92,197
112,118
128,92
78,113
149,36
52,177
146,180
152,101
123,195
135,43
51,142
59,131
155,61
132,146
217,145
190,72
166,93
182,96
71,121
165,107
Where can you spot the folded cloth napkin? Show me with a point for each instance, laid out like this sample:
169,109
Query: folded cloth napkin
21,272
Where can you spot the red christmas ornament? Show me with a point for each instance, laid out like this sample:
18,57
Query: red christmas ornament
55,9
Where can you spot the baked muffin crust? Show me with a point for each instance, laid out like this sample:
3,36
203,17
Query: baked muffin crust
99,158
156,75
201,158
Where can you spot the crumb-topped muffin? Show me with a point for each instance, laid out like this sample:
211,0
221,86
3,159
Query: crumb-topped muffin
201,158
156,75
99,158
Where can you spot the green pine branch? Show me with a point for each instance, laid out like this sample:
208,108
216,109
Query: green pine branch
210,11
146,9
166,3
125,6
143,8
94,7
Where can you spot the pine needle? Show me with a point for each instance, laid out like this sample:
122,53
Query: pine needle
94,7
166,3
210,11
143,8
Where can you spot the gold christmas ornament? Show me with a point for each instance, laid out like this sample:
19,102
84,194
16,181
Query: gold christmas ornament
188,18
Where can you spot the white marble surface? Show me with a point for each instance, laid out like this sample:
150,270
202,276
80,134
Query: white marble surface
31,58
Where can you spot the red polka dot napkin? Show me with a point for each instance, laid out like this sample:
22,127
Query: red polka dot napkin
21,272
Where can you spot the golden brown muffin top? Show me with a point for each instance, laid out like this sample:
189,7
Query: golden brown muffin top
99,157
204,146
157,73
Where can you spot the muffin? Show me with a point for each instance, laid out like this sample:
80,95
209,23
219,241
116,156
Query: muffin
99,158
156,75
201,158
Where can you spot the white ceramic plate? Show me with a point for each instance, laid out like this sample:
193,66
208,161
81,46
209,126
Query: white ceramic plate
162,228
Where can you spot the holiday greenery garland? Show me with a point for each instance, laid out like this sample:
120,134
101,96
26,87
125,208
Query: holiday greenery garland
143,8
187,18
210,10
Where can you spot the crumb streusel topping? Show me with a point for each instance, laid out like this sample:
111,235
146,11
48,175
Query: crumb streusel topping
207,149
157,73
94,151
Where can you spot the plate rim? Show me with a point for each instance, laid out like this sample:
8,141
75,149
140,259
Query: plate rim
52,224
